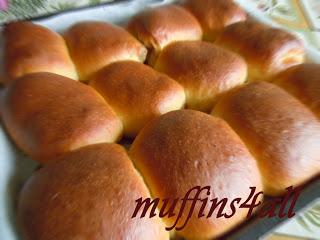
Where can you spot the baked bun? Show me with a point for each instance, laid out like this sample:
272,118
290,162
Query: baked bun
214,15
282,134
267,50
48,114
93,45
160,26
32,48
87,194
303,81
203,69
184,149
137,93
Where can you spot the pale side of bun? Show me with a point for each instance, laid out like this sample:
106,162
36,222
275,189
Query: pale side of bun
303,81
87,194
137,93
215,15
184,149
33,48
282,134
267,50
203,69
160,26
47,115
93,45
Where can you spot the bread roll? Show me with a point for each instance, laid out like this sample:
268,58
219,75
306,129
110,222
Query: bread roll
47,115
267,50
93,45
282,134
87,194
32,48
137,93
214,15
203,69
186,148
303,81
158,27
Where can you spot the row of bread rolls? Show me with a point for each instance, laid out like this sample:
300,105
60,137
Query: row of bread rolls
32,48
88,46
267,50
84,48
47,114
263,137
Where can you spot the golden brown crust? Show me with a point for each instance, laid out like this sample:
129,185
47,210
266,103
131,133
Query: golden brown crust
87,194
203,69
267,50
280,132
215,15
303,81
158,27
137,93
47,115
93,45
32,48
186,148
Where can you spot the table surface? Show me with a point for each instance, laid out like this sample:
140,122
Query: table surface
301,16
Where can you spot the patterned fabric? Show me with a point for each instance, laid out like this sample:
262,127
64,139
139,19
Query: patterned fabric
302,16
306,226
21,9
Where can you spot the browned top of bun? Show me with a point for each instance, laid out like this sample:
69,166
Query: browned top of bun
47,115
281,132
186,148
157,27
203,69
303,81
33,48
214,15
271,49
93,45
87,194
137,93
